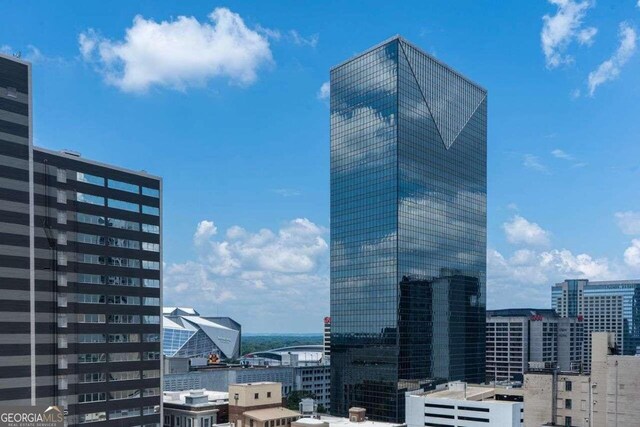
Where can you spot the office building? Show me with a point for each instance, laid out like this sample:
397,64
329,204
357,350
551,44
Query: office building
187,334
606,397
195,408
80,294
326,340
518,336
408,228
460,404
609,306
259,405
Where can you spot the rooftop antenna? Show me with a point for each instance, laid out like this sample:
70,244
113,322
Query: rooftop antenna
17,54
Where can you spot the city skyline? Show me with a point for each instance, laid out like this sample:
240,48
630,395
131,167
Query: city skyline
246,217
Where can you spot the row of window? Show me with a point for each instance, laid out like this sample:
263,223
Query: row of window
117,395
95,279
118,261
129,319
116,299
117,185
116,338
117,223
114,203
117,357
98,377
93,239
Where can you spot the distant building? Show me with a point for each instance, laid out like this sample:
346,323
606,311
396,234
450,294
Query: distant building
464,405
610,306
607,397
516,337
187,334
195,408
326,340
300,355
258,405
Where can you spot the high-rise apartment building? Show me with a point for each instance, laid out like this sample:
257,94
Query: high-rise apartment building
80,294
610,306
326,340
408,228
519,336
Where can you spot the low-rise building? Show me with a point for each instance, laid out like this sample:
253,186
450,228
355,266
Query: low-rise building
607,397
258,405
461,404
357,418
195,408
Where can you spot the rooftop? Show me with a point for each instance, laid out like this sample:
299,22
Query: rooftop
180,397
522,312
345,422
271,414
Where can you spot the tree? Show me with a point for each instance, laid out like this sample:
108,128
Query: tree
294,398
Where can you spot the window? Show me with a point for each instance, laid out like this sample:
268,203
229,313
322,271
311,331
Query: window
151,355
256,396
90,219
147,392
124,186
95,377
89,179
567,421
125,206
91,259
123,281
90,318
90,199
124,413
61,196
567,385
92,397
124,394
90,299
91,279
151,320
150,210
151,337
92,358
123,224
567,403
151,301
129,319
61,175
124,338
91,338
123,243
124,357
124,376
151,373
123,300
151,283
268,394
148,228
12,92
62,217
150,265
151,192
92,417
153,247
90,239
124,262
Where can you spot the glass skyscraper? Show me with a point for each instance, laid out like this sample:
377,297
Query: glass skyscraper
408,228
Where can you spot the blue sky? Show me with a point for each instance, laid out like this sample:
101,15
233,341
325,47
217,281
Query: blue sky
224,101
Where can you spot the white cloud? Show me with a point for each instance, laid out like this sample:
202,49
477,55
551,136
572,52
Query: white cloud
560,154
325,91
268,280
525,277
310,41
632,254
287,192
610,69
205,230
521,231
533,162
180,53
559,30
628,222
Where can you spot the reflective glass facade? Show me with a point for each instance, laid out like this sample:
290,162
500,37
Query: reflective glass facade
408,228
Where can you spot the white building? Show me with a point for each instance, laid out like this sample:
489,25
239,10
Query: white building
459,404
194,408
